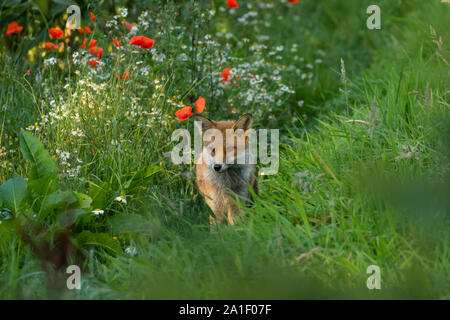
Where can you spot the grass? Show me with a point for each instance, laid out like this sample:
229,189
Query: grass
363,176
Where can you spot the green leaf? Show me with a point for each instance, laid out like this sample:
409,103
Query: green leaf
68,217
98,193
99,239
13,193
59,200
44,169
142,177
84,201
34,151
124,223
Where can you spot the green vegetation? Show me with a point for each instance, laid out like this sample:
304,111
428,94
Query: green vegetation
364,153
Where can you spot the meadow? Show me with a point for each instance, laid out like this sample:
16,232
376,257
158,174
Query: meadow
86,122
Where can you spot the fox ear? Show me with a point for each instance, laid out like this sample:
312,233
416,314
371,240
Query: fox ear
244,122
205,122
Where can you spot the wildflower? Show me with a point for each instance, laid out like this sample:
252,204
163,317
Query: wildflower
144,42
117,43
226,73
55,33
50,61
84,43
131,251
200,104
92,50
232,4
51,46
93,62
13,27
77,132
92,16
124,77
123,12
92,43
28,72
98,212
121,199
127,25
86,30
97,51
184,113
293,1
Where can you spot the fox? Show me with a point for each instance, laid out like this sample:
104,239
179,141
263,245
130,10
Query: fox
221,178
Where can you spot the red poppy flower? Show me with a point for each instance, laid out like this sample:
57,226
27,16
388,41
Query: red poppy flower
28,72
200,104
93,62
99,52
55,33
293,1
51,46
226,73
127,25
13,27
232,4
92,16
184,113
86,30
92,43
116,42
144,42
84,43
124,77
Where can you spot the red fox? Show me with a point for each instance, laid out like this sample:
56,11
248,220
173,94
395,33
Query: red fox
220,180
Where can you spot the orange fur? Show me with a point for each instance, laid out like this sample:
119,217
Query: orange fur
223,190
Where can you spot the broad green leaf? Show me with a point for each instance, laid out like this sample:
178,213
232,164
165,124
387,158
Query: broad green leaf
44,169
13,193
34,151
99,239
42,186
68,217
98,194
59,200
83,216
84,201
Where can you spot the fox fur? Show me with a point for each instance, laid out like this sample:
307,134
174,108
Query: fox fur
224,188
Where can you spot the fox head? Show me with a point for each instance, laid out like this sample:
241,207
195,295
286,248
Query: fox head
225,142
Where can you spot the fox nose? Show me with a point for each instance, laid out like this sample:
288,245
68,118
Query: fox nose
217,167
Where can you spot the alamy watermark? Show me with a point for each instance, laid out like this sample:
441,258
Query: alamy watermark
75,16
374,281
74,280
374,21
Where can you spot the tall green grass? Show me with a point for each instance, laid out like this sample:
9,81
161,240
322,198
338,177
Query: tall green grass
363,184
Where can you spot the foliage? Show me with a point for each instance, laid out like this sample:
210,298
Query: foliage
363,178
